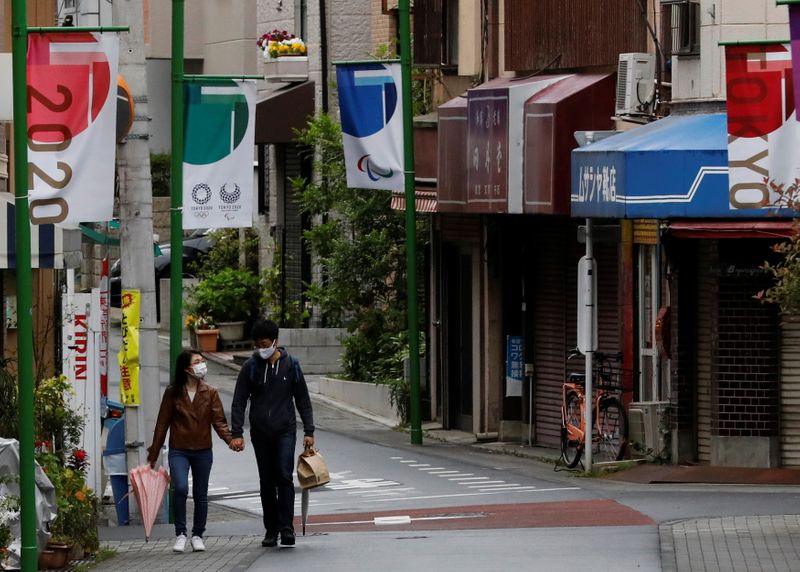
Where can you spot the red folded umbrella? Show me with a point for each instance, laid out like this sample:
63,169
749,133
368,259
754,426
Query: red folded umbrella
149,487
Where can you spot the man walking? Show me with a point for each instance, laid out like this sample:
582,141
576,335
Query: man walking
274,384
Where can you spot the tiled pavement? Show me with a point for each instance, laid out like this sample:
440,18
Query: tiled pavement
746,543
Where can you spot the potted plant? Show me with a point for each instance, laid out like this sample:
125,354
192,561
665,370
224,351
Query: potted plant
285,56
229,296
204,332
9,515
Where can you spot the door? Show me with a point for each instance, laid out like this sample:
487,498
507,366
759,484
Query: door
458,338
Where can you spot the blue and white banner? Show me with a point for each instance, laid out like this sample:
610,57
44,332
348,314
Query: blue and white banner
371,110
218,154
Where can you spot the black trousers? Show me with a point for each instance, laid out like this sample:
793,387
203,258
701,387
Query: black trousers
275,459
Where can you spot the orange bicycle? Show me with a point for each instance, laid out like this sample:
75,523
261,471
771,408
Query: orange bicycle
610,432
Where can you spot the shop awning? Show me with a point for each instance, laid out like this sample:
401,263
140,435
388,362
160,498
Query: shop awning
505,147
731,229
48,241
675,167
425,201
283,111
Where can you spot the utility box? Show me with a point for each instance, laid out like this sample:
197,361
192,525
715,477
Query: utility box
635,84
646,419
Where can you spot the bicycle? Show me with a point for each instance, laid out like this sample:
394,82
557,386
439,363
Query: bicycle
610,431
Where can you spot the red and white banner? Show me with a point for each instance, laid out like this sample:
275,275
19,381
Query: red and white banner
763,133
72,85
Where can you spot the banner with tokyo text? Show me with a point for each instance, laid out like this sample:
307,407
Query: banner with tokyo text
371,109
763,131
72,88
218,154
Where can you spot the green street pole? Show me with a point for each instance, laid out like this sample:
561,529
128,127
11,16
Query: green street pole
411,220
176,189
27,479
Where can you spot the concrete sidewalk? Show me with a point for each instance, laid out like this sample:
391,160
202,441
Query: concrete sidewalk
233,538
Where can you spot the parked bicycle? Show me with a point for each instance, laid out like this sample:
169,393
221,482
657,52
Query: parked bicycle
610,431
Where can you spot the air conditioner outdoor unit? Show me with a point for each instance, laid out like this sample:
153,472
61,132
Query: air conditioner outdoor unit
635,84
646,427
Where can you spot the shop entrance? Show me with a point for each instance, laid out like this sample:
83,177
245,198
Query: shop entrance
459,340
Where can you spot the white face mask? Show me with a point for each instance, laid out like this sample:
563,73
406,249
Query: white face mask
199,370
266,353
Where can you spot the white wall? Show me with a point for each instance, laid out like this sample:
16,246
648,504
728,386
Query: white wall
703,77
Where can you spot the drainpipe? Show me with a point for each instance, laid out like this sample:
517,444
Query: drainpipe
323,51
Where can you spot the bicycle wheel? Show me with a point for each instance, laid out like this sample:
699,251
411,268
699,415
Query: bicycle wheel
571,448
611,431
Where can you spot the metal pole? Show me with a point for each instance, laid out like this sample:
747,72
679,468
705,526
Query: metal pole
176,190
411,220
27,482
588,413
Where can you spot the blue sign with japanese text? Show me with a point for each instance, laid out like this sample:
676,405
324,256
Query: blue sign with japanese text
515,365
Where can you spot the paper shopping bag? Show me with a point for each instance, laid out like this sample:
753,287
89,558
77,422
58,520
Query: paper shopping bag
312,470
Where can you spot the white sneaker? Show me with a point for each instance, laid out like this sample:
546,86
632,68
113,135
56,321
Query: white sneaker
197,544
180,543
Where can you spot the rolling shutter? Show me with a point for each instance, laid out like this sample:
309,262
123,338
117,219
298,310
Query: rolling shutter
790,394
706,303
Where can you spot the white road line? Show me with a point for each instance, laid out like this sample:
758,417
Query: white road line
460,479
436,469
474,494
485,483
409,461
415,465
511,490
437,472
395,458
456,475
497,487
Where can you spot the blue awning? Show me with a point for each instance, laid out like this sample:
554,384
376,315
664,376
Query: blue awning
672,168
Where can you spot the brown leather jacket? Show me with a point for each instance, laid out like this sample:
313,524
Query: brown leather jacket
189,422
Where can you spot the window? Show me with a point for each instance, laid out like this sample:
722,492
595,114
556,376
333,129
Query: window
436,33
681,27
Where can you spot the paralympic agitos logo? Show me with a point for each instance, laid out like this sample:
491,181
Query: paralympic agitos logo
373,171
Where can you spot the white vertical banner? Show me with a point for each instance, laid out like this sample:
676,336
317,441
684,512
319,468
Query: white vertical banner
72,118
81,329
371,107
219,137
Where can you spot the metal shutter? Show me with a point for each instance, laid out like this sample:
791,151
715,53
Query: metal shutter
790,394
706,303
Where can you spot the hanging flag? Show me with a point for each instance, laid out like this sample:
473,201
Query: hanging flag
218,154
71,126
370,105
763,132
128,356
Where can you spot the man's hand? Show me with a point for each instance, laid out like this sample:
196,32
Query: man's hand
308,442
237,444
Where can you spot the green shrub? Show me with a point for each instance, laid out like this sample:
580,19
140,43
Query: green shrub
229,295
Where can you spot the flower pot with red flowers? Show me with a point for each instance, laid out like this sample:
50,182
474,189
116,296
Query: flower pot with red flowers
285,56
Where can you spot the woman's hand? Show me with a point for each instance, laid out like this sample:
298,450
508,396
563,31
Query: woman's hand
237,444
308,442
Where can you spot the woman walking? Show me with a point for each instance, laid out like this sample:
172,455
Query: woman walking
189,408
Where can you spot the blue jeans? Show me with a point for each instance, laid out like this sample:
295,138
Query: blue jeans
180,461
275,460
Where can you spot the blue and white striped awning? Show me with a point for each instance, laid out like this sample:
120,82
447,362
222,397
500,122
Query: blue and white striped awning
47,240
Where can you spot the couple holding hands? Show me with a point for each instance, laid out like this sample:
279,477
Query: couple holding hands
272,381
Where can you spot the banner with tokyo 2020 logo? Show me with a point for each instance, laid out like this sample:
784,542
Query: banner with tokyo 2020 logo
72,118
219,133
370,104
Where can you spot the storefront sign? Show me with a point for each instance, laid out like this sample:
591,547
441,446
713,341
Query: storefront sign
487,149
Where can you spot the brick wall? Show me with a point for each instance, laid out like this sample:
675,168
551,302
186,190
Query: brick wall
384,28
746,361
